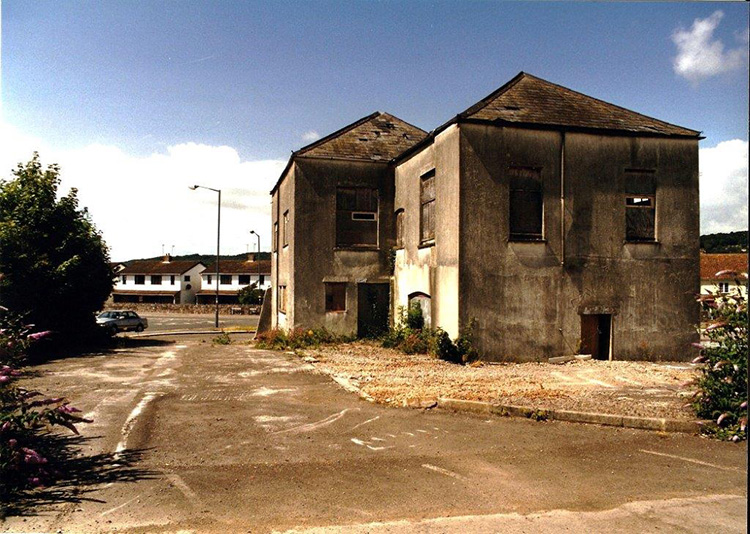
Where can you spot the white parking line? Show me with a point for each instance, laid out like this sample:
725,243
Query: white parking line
443,471
693,461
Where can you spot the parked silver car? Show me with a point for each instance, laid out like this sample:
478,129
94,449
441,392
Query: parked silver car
121,320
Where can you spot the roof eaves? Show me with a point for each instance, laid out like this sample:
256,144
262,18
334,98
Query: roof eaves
582,129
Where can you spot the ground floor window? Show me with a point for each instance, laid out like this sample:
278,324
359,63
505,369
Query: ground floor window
335,296
282,299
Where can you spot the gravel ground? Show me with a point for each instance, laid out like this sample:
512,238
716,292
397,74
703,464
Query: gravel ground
643,389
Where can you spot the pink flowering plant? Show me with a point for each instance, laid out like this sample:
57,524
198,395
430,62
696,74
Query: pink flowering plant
26,416
722,384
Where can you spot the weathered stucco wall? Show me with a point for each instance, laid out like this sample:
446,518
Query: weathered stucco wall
282,260
527,297
431,269
318,260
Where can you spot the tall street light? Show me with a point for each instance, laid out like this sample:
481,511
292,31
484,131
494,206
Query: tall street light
257,258
218,236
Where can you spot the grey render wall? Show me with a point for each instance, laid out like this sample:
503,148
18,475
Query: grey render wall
432,270
282,260
317,259
527,298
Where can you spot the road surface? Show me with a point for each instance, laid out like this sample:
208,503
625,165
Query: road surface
234,439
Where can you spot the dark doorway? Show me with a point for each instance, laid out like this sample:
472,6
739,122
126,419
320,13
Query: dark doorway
372,309
596,335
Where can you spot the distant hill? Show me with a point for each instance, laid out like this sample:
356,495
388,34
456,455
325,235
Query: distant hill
206,259
722,243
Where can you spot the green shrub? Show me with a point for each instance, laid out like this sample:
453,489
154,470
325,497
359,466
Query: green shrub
279,339
222,339
414,317
722,385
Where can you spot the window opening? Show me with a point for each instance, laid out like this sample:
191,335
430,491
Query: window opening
526,210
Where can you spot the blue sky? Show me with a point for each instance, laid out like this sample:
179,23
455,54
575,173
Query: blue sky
178,91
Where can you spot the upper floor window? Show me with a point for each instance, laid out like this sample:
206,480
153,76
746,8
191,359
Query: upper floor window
124,279
186,278
526,205
244,279
155,279
208,278
140,279
225,279
427,210
356,217
723,287
284,229
640,205
171,279
275,236
400,228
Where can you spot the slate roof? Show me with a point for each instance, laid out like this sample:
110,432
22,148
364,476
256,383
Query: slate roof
527,99
377,137
239,267
159,267
714,263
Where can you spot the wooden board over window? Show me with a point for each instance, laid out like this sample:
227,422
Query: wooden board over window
335,296
526,210
640,205
427,209
356,217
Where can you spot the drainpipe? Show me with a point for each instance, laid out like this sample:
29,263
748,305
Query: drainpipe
562,201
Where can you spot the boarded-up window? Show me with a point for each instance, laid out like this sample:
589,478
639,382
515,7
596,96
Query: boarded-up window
285,229
335,296
356,217
400,229
282,299
526,204
640,205
427,208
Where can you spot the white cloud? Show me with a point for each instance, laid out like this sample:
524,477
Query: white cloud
140,203
723,187
700,56
310,136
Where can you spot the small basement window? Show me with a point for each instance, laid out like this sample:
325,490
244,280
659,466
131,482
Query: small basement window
335,296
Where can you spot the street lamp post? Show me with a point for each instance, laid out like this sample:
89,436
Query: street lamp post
257,258
218,238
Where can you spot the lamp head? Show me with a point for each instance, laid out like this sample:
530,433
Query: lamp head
193,187
252,231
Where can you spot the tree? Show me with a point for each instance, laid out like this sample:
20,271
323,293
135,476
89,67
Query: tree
250,295
54,264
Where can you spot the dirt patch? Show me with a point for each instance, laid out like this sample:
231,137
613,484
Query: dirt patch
644,389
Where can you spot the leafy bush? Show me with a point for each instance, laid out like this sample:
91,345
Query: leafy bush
411,337
25,415
722,385
279,339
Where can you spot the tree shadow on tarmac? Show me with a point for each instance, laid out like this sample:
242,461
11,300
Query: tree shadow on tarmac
44,354
73,475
